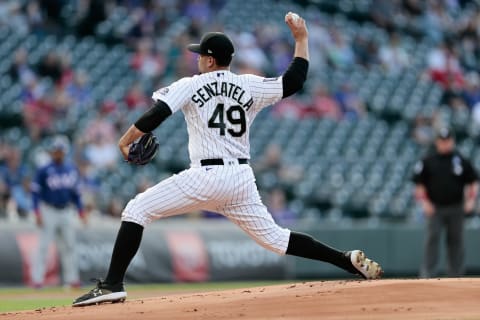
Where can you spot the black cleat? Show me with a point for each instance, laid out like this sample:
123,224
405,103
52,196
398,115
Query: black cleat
103,292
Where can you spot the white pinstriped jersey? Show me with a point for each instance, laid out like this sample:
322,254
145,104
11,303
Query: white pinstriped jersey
219,107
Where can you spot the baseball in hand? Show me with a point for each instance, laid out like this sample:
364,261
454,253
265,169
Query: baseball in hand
295,17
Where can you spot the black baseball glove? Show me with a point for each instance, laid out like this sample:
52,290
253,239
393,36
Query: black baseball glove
143,151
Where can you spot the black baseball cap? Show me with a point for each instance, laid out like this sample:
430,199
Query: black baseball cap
444,133
217,45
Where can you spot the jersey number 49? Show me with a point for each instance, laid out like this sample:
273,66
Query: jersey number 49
235,116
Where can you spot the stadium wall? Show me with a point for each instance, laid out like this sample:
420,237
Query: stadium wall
216,250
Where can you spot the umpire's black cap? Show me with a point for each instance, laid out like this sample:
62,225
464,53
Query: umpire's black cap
444,133
217,45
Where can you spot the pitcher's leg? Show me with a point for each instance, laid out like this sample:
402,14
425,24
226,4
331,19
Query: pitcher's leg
162,200
165,199
258,223
305,246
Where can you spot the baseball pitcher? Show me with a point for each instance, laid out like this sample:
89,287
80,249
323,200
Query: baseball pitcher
219,106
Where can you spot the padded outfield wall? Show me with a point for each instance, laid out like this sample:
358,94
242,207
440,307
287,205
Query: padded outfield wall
216,250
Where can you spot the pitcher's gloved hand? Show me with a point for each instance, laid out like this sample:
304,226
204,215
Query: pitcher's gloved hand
144,150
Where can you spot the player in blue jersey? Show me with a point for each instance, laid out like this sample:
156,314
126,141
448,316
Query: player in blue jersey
55,196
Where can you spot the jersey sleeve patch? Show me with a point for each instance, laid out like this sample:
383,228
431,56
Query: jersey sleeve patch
175,95
157,95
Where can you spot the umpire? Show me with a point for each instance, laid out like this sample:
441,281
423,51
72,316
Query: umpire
446,187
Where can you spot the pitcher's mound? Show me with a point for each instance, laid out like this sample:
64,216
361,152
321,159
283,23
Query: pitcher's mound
381,299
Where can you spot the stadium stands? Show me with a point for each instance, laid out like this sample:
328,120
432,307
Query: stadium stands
353,167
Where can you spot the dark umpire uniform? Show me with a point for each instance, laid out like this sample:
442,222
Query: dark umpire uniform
446,187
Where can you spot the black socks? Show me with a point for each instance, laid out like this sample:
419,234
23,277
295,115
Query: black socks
126,246
302,245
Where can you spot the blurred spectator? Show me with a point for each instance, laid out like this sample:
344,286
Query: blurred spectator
14,185
34,14
476,115
143,20
423,132
136,98
101,153
89,186
444,68
11,15
351,105
281,57
249,53
79,90
61,103
278,208
413,11
89,14
20,203
146,61
383,13
290,108
52,9
365,49
437,21
13,171
272,171
456,103
20,69
12,179
339,53
324,105
33,90
198,10
468,53
471,94
393,56
66,69
50,66
38,116
100,141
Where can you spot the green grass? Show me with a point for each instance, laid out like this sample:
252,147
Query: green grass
32,304
16,299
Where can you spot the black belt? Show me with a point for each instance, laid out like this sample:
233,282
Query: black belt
220,162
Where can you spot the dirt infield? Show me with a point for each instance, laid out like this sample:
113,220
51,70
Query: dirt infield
381,299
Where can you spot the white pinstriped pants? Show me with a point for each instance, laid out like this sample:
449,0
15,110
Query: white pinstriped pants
228,189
